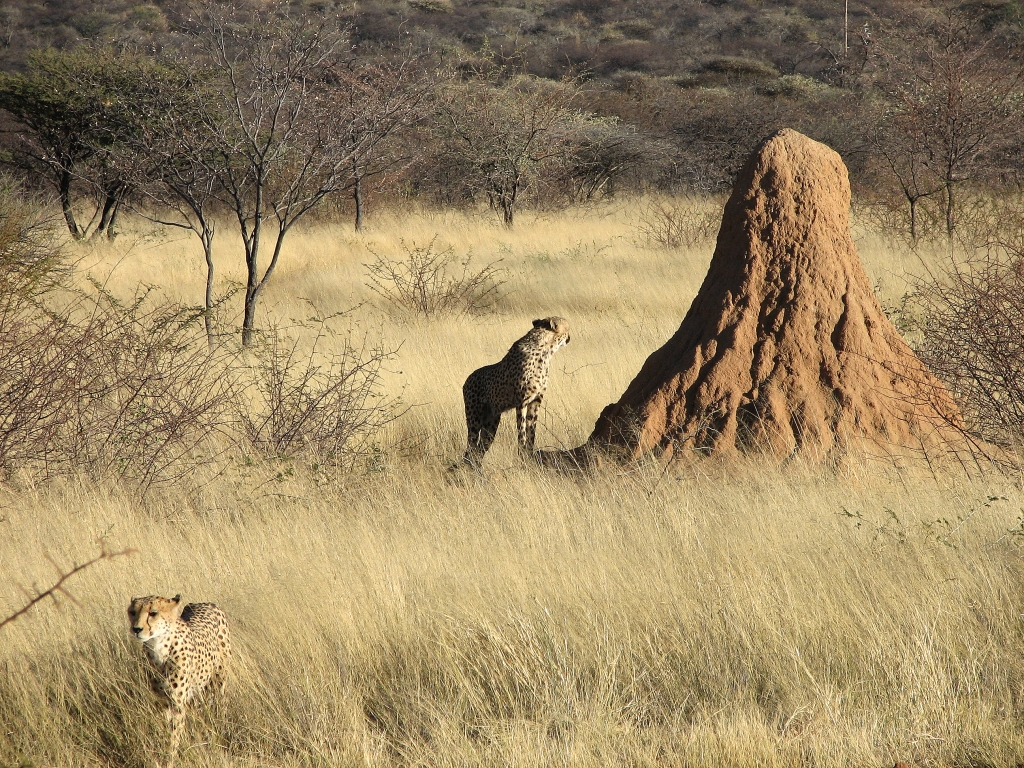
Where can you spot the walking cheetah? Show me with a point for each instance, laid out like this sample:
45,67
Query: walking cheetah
519,381
189,648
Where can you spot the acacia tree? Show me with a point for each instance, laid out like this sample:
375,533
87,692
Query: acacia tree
54,118
384,98
954,95
288,118
506,133
72,112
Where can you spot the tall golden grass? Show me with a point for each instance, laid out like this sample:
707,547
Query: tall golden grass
709,616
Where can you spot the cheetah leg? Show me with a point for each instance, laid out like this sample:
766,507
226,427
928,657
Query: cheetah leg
473,427
531,423
522,428
474,424
220,689
487,433
483,426
219,682
176,717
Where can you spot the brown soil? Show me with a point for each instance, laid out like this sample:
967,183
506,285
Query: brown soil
785,348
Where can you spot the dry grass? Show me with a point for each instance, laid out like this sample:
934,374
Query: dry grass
698,617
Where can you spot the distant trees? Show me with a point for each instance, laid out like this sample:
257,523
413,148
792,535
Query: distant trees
505,132
72,112
262,116
271,140
952,107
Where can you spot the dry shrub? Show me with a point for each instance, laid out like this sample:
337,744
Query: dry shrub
130,391
434,283
158,392
327,404
972,324
57,588
677,223
28,257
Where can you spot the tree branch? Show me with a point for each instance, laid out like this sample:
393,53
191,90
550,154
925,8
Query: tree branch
58,586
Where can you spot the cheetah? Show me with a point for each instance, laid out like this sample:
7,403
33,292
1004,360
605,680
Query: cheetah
519,381
189,647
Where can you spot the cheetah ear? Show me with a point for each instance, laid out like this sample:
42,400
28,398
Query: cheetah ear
542,322
179,606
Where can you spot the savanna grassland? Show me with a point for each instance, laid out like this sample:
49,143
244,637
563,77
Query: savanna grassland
707,615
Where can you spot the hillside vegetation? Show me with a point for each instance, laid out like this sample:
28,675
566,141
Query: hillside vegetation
917,97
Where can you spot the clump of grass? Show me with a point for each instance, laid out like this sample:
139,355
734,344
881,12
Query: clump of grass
432,282
677,223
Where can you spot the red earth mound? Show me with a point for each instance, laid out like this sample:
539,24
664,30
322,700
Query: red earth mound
785,348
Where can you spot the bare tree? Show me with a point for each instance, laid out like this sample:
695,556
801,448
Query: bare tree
954,93
385,98
506,132
173,162
898,141
289,125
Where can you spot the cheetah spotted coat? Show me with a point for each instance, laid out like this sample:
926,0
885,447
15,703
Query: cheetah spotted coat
188,647
518,381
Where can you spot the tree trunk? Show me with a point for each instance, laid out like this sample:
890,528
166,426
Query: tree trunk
949,210
357,196
65,204
913,219
110,202
207,238
248,319
252,287
508,204
111,229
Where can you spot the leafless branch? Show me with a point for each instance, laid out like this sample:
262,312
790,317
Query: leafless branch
57,588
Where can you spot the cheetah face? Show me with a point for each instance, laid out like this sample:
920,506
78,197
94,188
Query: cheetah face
559,328
153,617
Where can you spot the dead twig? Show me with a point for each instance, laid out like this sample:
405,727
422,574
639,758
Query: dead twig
58,586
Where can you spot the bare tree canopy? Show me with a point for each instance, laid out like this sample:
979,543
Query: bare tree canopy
291,119
952,106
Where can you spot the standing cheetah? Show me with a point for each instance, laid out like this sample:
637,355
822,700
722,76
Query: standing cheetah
189,648
519,381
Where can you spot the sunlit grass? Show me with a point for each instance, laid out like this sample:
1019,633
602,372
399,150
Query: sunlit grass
706,615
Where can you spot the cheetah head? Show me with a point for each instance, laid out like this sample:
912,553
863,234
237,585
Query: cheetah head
559,328
152,617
